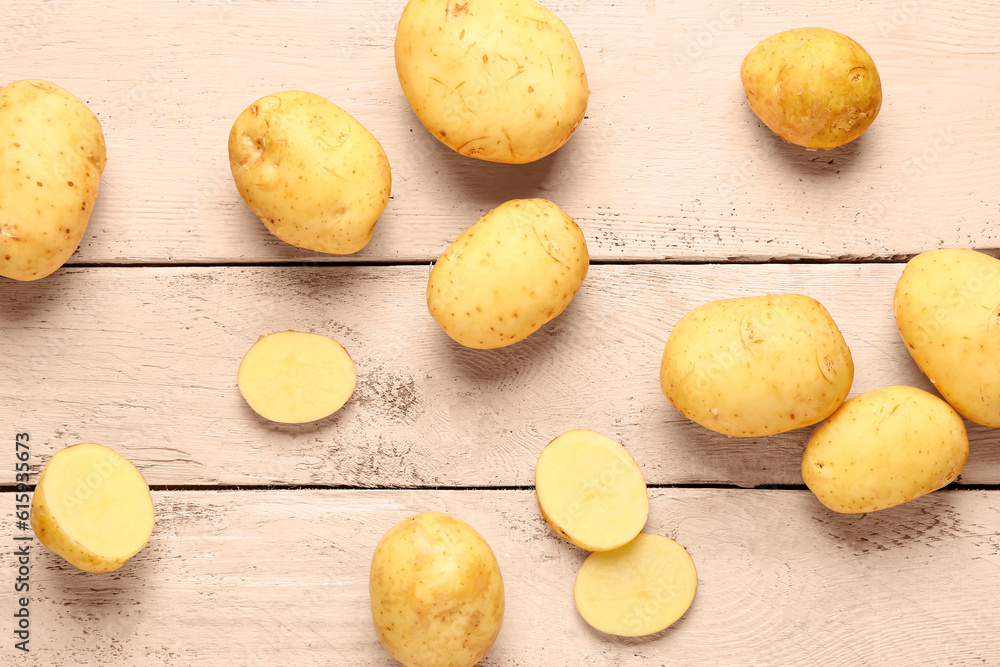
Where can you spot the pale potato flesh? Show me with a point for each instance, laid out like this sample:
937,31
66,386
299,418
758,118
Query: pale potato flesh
757,366
52,155
498,80
591,491
437,595
884,448
812,86
293,377
507,275
947,305
92,507
315,176
638,589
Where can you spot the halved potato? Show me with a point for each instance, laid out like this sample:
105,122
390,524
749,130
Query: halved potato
92,507
591,491
293,377
638,589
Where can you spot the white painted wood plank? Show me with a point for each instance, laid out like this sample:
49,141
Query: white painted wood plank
280,578
144,360
670,162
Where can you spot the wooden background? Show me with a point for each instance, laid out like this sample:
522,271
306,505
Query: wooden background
265,532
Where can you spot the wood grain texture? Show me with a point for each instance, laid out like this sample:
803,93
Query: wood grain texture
281,578
144,360
669,164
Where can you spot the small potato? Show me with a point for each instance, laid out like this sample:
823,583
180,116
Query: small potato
51,158
92,507
313,174
436,592
498,80
638,589
507,275
884,448
757,366
947,307
293,377
591,491
812,86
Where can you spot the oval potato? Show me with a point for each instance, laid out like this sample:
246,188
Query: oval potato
437,595
756,366
313,174
52,155
947,306
498,80
884,448
507,275
812,86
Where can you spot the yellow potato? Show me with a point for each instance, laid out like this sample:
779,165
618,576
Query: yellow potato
591,491
507,275
884,448
812,86
293,377
638,589
757,366
948,312
312,173
436,592
92,507
51,158
498,80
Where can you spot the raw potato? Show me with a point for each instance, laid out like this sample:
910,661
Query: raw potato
638,589
591,491
436,592
948,312
51,158
884,448
312,173
757,366
498,80
92,507
508,274
293,377
812,86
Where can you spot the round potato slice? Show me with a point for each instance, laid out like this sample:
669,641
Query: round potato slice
293,377
638,589
591,491
92,507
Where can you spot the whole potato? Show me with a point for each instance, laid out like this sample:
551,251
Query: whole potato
884,448
436,592
756,366
312,173
947,307
52,155
812,86
508,274
498,80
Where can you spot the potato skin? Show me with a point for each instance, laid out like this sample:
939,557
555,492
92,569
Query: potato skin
498,80
52,154
947,306
508,274
812,86
756,366
436,590
884,448
313,174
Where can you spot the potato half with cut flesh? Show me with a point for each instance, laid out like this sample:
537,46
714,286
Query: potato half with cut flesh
591,491
293,377
638,589
92,507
